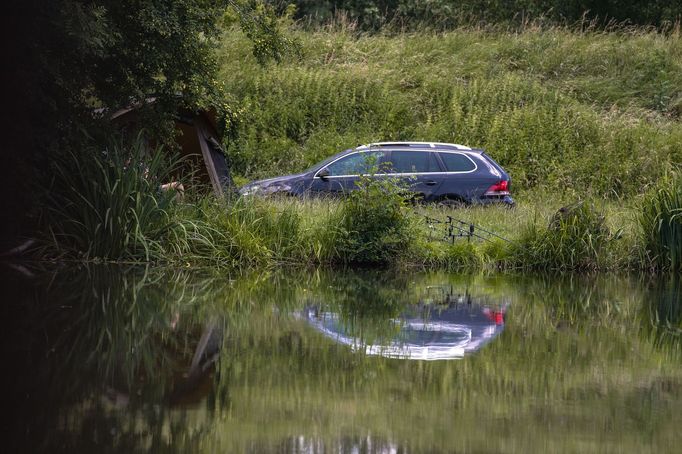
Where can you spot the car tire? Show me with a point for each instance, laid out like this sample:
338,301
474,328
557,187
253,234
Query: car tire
452,202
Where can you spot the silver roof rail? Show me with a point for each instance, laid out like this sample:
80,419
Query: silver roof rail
424,144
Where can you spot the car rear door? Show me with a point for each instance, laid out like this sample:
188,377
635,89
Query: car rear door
465,179
419,169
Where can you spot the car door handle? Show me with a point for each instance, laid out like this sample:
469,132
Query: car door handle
430,183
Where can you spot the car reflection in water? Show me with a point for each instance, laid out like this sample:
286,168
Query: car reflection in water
443,325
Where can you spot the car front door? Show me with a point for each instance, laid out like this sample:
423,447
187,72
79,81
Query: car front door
340,176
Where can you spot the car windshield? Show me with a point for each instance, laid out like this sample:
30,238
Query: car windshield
321,164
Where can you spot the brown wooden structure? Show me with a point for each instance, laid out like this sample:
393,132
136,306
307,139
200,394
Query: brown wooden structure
198,143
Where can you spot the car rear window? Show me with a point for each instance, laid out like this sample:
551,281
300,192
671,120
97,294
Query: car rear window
413,162
457,162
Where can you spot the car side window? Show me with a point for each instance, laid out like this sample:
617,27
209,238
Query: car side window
356,164
413,162
457,162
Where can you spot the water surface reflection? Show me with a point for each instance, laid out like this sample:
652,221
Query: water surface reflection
443,324
128,360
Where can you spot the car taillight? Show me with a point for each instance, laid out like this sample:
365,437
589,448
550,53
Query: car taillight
499,188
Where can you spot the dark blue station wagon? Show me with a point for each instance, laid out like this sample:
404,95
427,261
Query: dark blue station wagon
435,172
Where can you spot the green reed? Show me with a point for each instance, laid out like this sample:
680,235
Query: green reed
106,203
660,222
576,238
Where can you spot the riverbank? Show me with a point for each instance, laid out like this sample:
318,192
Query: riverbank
105,212
266,233
596,236
583,119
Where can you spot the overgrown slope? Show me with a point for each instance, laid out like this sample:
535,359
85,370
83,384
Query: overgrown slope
588,113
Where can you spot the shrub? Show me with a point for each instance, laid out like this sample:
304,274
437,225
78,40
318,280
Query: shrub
660,223
376,224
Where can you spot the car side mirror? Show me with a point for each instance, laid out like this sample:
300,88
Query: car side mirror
323,174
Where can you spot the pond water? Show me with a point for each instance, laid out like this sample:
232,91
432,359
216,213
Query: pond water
107,359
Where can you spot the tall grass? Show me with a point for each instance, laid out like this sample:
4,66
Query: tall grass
109,207
587,113
575,239
105,203
660,222
253,232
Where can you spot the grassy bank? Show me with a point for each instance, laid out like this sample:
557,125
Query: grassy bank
376,226
571,112
572,115
313,232
109,208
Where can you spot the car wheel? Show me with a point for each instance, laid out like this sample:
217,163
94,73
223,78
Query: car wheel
451,202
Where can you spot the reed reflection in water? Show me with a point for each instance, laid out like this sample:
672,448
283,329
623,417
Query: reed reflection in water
170,361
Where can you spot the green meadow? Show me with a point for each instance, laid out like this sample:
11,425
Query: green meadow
584,119
573,113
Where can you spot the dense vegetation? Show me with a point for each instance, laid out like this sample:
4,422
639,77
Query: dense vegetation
71,62
444,14
591,114
117,213
661,222
572,115
573,112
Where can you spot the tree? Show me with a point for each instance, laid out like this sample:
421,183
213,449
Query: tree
65,60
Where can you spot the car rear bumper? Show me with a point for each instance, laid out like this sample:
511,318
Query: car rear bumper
492,200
